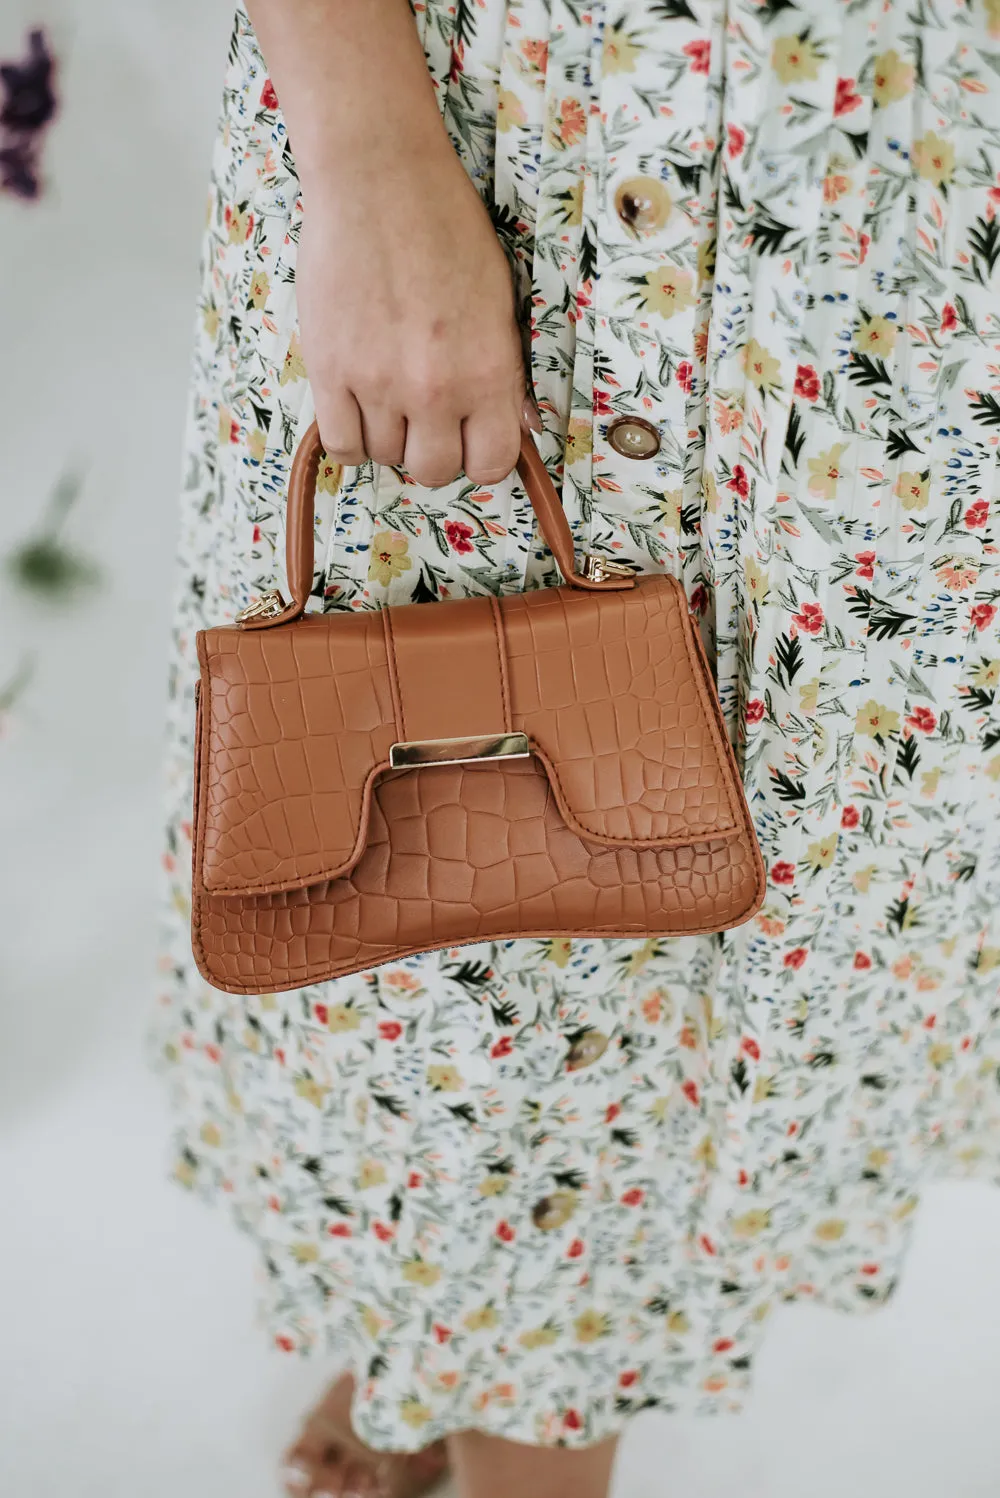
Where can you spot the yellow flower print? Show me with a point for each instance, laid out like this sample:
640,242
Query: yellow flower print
482,1320
825,470
539,1336
877,335
371,1173
993,767
763,369
912,490
929,780
371,1321
993,16
579,439
934,159
989,958
940,1053
311,1090
987,674
678,1323
757,580
706,261
257,444
762,1088
591,1326
572,201
260,288
878,1159
874,721
640,957
893,78
413,1413
419,1272
830,1230
559,951
210,319
905,1209
305,1253
211,1135
342,1017
494,1184
751,1224
659,1108
671,502
390,557
239,225
711,490
668,290
820,855
185,1173
445,1078
226,425
863,878
510,111
794,59
328,476
707,1153
809,697
294,367
619,52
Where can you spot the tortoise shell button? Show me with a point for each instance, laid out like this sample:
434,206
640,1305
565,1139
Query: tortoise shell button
633,437
643,204
554,1210
586,1050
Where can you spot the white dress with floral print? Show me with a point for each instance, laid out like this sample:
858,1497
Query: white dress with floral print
534,1187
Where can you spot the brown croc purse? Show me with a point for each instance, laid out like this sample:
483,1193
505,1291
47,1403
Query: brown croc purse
377,783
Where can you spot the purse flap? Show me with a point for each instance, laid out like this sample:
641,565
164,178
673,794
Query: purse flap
611,690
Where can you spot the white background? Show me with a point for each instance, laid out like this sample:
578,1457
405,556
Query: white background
130,1362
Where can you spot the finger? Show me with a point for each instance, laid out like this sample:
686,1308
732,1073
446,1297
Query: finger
433,451
340,427
384,432
491,441
531,417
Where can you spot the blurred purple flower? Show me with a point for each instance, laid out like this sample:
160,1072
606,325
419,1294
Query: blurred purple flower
28,106
30,102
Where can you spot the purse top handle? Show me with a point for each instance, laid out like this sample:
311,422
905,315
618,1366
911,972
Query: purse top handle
600,574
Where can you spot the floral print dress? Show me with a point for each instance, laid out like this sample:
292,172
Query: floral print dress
534,1187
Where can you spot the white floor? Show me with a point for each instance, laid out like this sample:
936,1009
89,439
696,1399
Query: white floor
130,1365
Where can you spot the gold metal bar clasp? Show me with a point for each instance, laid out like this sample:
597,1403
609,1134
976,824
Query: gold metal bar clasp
598,569
268,606
471,751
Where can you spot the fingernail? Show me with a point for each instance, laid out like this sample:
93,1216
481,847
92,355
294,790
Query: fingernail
530,415
296,1479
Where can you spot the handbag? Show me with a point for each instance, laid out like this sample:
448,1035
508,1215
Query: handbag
373,784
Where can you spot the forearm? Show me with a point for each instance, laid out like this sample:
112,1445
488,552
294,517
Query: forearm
353,86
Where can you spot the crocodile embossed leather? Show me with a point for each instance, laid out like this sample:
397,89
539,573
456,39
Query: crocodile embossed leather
314,858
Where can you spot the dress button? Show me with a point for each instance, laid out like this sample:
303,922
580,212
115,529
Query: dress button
554,1210
643,204
585,1051
633,437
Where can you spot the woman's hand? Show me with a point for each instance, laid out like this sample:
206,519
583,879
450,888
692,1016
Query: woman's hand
406,308
406,311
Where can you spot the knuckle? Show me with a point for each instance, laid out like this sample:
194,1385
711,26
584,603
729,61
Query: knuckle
434,475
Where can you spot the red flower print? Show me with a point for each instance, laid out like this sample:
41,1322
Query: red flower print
685,375
602,403
706,1244
572,1421
322,1013
750,1047
690,1091
977,514
796,957
809,618
213,1053
743,1178
698,599
755,710
575,1249
807,383
783,873
949,318
627,1379
285,1343
846,98
441,1333
459,534
383,1232
864,243
862,962
338,1230
502,1047
634,1197
415,1180
739,481
869,1269
850,817
256,534
268,97
923,719
613,1111
982,615
390,1029
723,1344
505,1232
866,564
737,139
700,53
